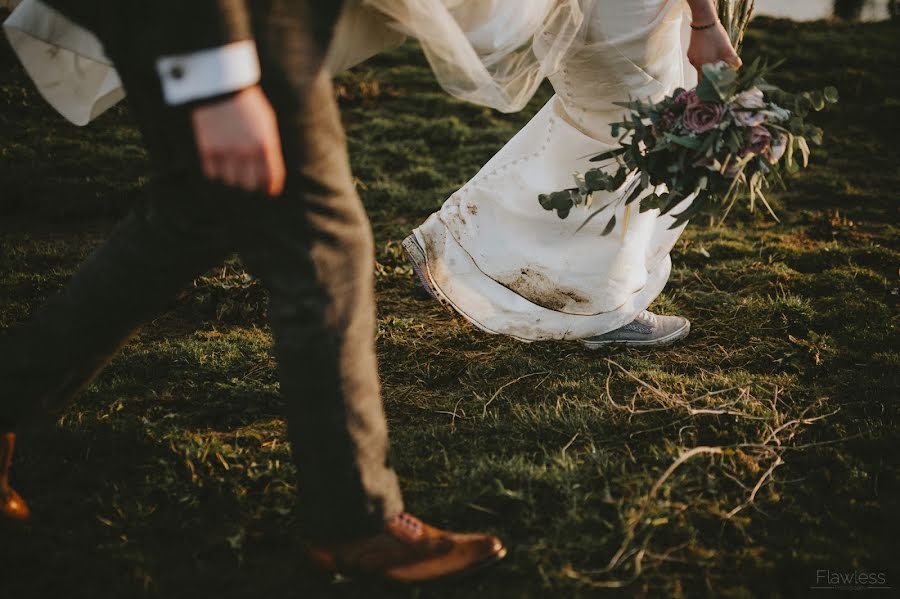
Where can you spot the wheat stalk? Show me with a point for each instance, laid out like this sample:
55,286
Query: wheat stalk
735,16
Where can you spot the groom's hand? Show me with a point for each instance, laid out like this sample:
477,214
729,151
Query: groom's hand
239,143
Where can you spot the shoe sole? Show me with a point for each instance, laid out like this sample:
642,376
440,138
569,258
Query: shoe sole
472,571
469,572
416,257
670,339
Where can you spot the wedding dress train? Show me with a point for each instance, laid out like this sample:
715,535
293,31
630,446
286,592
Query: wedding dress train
507,265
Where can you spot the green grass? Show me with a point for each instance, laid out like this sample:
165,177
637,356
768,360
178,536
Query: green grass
170,477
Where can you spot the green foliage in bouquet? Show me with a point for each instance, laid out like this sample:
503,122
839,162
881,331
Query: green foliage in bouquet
732,137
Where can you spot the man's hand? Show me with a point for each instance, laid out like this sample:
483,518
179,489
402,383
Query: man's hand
239,143
711,45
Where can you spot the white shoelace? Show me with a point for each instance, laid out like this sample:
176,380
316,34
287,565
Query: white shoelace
647,317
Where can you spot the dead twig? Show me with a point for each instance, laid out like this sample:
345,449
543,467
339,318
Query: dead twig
512,382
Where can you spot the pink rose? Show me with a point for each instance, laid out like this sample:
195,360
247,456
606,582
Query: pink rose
668,120
688,97
701,117
760,140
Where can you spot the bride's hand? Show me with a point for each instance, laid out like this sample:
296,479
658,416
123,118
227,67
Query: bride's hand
711,45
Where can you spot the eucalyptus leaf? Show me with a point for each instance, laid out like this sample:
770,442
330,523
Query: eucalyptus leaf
597,180
608,155
591,217
816,136
818,100
689,213
682,140
675,199
707,92
609,226
635,193
561,200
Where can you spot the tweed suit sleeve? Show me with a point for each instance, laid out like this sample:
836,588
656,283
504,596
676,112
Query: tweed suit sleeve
201,48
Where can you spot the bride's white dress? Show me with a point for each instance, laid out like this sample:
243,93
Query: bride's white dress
492,252
511,267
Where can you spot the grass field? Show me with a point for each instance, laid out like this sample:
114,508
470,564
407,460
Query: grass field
736,464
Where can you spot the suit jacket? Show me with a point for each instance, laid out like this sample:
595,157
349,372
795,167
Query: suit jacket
163,27
151,29
68,65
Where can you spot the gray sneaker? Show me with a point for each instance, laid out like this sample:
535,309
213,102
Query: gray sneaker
647,330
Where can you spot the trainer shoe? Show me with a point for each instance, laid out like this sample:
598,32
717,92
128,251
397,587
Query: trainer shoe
647,330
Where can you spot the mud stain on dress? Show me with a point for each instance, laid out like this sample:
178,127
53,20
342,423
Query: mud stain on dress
541,290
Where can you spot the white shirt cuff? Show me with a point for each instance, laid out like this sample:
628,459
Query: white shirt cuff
208,73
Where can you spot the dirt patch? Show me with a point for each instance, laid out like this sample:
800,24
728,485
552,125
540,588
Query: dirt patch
539,289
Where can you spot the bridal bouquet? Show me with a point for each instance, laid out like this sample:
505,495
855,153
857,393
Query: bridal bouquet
732,137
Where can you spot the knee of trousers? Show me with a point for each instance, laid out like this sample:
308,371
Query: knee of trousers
349,258
350,237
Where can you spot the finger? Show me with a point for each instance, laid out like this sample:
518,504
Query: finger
208,162
252,175
277,175
231,168
734,60
207,159
276,172
213,165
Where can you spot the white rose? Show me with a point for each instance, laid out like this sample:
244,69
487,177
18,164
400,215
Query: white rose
752,98
749,119
746,107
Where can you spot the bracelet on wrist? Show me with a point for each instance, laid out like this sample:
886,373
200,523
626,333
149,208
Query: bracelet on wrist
703,27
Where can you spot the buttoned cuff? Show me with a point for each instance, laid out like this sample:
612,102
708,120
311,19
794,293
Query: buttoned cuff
208,73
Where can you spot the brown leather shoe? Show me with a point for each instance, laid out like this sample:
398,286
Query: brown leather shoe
12,507
409,551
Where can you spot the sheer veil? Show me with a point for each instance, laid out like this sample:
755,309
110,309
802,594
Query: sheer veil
490,52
